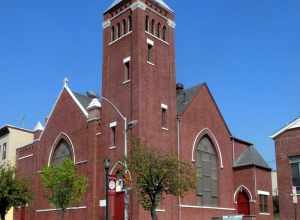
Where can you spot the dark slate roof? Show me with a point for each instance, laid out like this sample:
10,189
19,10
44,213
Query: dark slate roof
185,97
83,99
251,157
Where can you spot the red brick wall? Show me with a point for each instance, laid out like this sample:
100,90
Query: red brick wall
202,113
287,144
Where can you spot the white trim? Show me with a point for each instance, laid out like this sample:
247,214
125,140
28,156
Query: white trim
138,4
62,135
206,207
265,193
76,101
152,35
151,63
124,35
238,190
113,124
151,42
24,157
263,213
163,128
126,60
160,210
293,124
215,142
112,147
51,210
106,24
65,87
171,23
81,162
164,106
126,81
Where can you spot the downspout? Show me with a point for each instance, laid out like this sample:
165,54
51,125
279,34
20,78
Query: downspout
178,157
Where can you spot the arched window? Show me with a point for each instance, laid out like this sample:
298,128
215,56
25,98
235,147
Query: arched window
129,23
119,30
207,173
158,30
147,23
113,33
164,33
62,152
124,26
152,26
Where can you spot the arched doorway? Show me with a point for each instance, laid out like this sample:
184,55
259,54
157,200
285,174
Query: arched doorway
243,203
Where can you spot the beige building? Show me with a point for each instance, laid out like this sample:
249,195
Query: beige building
12,138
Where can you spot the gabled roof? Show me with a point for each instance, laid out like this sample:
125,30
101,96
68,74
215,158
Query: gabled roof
160,2
84,100
185,97
294,124
251,157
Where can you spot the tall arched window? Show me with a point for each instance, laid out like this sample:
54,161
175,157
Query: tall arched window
152,26
62,152
158,30
129,23
207,173
164,33
124,26
147,23
119,30
113,33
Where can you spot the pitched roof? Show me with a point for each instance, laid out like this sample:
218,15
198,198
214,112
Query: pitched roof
84,100
251,157
160,2
294,124
185,97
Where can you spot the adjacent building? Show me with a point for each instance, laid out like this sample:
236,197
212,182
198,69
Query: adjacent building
287,145
139,88
11,138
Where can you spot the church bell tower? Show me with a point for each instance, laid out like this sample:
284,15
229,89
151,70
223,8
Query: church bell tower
139,78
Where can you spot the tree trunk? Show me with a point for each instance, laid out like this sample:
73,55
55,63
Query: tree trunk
153,213
2,216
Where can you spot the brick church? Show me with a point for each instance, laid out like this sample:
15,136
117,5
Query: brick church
140,98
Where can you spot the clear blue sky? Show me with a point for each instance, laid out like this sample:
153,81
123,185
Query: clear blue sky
247,51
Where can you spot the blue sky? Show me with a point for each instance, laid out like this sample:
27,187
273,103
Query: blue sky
247,51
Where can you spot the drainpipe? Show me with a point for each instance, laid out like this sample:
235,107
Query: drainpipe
178,156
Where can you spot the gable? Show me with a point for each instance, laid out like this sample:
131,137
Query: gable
187,101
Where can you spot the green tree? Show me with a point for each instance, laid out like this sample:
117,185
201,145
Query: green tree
64,187
156,174
13,191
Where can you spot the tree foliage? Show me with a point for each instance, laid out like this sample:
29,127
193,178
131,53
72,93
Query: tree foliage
63,186
156,174
14,192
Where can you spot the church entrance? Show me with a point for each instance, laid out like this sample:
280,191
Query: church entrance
243,204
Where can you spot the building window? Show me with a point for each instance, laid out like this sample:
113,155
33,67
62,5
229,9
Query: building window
158,30
119,30
150,45
124,26
164,33
129,23
113,33
295,166
207,173
113,127
263,203
62,152
147,23
4,151
152,26
126,69
164,116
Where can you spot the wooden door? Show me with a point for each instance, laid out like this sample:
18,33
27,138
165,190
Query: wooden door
243,204
119,206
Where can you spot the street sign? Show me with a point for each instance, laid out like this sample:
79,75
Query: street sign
295,197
